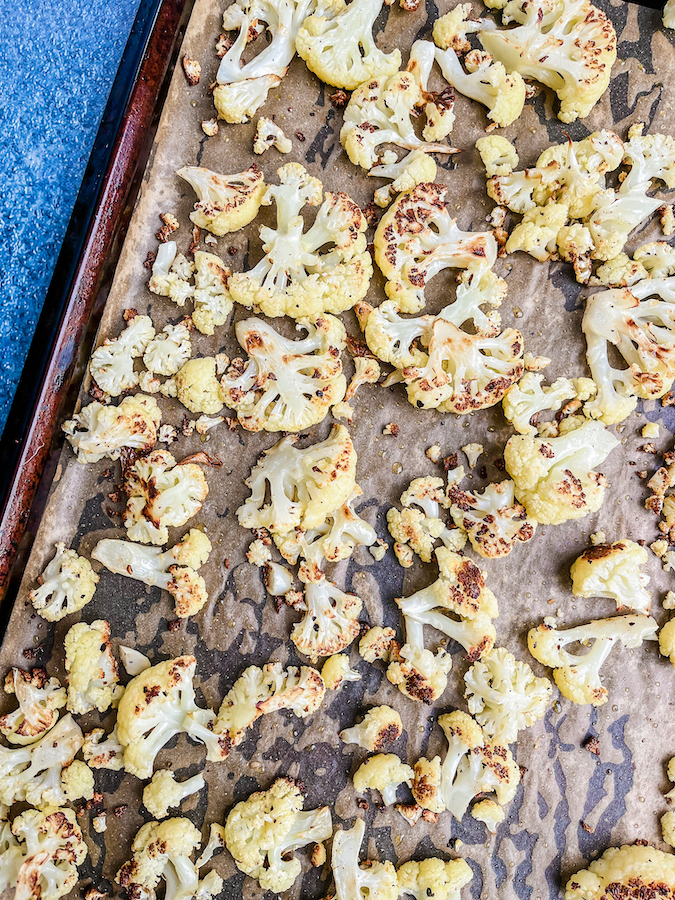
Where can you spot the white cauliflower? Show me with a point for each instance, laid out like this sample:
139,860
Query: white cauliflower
66,585
286,385
161,493
391,338
578,674
418,673
555,478
259,691
269,134
613,570
415,168
421,528
439,106
528,398
330,622
91,668
103,754
656,258
366,371
377,643
504,695
170,350
262,832
434,878
336,670
277,579
197,386
112,363
629,870
39,698
99,431
360,881
498,155
383,772
174,570
381,725
537,233
493,520
304,486
158,704
669,14
325,269
165,792
42,854
337,44
225,203
569,47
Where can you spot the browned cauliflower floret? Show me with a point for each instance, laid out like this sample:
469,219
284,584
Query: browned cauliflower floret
225,203
493,520
381,725
99,431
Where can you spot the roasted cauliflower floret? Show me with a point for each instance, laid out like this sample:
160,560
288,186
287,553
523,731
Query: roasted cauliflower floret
225,203
578,675
391,338
329,624
537,234
269,134
418,673
419,528
91,668
286,385
366,371
451,30
171,349
434,878
493,520
164,792
504,695
336,670
47,849
197,386
262,831
158,704
498,155
112,363
415,168
299,275
632,870
555,479
65,586
103,754
173,570
383,772
360,881
377,643
381,725
99,431
337,44
528,398
161,493
613,570
39,698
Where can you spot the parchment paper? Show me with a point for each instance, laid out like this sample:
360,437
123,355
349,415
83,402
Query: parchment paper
616,795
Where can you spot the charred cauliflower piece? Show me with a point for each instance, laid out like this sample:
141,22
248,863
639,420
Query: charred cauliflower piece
39,699
225,203
434,878
91,668
299,276
493,520
613,570
286,385
46,849
99,431
381,725
390,337
631,870
528,398
330,622
269,134
383,772
415,168
357,881
103,754
66,585
112,363
419,525
377,643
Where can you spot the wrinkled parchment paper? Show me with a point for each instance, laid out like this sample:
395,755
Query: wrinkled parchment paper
571,804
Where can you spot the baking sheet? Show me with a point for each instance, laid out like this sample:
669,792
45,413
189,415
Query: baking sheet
617,795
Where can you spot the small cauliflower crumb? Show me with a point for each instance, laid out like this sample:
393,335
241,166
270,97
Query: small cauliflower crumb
535,363
222,362
205,423
192,69
171,224
669,600
659,548
99,823
392,428
378,550
650,430
668,220
258,553
149,383
318,855
668,828
210,127
598,538
210,240
434,453
167,434
497,217
472,451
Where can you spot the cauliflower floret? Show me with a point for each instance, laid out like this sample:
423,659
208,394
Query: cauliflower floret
537,233
77,781
366,371
376,643
286,385
262,831
33,772
360,881
640,323
197,386
630,870
158,704
336,670
504,695
490,813
493,520
39,700
259,691
112,363
225,203
620,271
613,570
330,623
415,168
452,28
171,349
380,111
299,276
528,398
668,828
669,14
65,586
269,134
391,338
418,673
574,246
657,257
99,431
103,754
162,851
487,82
555,479
667,641
46,850
578,675
91,668
171,274
305,486
433,878
173,570
417,238
383,772
439,106
381,725
498,155
472,766
164,792
339,47
161,493
420,529
569,47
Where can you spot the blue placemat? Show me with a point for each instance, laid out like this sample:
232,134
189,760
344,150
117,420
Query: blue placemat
59,63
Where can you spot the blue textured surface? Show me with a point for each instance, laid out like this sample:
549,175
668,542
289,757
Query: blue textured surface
59,63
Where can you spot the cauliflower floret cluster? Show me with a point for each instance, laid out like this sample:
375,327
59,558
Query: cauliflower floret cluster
377,880
42,853
415,168
330,622
383,772
492,519
336,670
66,585
161,493
100,431
225,203
504,695
381,725
578,674
112,364
262,832
165,792
103,754
166,353
529,398
613,571
633,870
434,878
39,698
286,385
91,668
174,570
325,269
419,528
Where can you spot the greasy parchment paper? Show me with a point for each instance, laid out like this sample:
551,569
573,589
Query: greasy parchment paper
618,794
